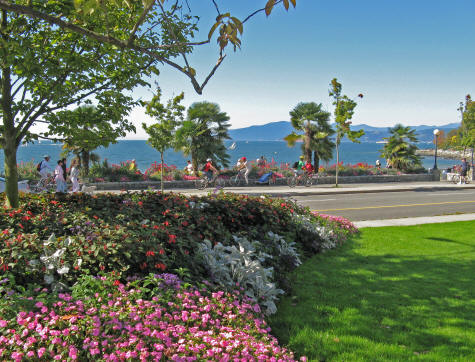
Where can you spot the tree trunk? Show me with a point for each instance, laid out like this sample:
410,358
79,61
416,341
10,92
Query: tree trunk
161,172
9,140
308,148
337,161
316,160
194,161
11,173
85,161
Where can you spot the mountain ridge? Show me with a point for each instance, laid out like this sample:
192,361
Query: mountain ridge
276,131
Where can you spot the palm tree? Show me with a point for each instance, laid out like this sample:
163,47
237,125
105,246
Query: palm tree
314,122
401,149
202,135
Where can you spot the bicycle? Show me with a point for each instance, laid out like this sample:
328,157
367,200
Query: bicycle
305,179
458,178
203,182
238,179
46,184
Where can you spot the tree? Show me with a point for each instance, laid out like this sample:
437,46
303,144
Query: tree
313,121
162,133
161,29
88,127
344,110
401,149
203,134
44,70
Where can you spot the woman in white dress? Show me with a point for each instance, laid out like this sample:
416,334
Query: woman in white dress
59,177
75,175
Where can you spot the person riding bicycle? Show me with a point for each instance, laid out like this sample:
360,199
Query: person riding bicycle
299,166
243,168
209,169
308,167
45,168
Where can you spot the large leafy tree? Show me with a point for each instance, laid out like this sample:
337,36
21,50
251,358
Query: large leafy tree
162,29
169,117
44,70
203,133
400,148
344,110
312,126
88,127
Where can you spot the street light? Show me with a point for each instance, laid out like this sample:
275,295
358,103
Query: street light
436,134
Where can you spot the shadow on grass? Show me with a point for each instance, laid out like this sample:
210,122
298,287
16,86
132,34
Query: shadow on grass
350,306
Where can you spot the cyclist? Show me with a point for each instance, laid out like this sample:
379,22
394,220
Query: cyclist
308,168
299,166
209,169
45,168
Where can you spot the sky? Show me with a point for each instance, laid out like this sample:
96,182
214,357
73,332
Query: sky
414,61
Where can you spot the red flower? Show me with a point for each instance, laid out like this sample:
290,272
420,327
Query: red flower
140,203
116,283
20,225
150,253
95,217
161,252
185,223
172,239
5,232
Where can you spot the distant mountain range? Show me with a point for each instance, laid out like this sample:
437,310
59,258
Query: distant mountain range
276,131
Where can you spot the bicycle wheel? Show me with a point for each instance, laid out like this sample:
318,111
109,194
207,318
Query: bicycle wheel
456,179
201,183
308,181
220,182
292,181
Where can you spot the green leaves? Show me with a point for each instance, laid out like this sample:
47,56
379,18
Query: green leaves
230,28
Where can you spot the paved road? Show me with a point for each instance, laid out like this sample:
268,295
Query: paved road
392,205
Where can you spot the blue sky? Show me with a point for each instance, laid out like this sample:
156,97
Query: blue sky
413,60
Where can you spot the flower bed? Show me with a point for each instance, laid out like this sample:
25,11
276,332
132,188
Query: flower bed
228,242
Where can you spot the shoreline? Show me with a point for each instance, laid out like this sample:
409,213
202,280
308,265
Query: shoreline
447,154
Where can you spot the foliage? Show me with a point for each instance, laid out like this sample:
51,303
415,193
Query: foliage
161,229
45,70
88,127
147,319
401,148
123,172
344,110
162,134
393,294
313,121
163,30
203,134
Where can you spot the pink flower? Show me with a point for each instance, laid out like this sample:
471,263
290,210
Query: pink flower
41,351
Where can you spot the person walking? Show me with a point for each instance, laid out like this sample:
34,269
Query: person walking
59,177
44,168
75,175
189,168
65,175
463,171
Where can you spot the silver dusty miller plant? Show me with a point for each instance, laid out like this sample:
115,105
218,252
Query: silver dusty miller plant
51,260
232,266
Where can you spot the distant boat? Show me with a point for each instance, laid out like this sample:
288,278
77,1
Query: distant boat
384,142
233,146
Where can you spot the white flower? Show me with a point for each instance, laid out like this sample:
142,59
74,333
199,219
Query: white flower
63,270
58,253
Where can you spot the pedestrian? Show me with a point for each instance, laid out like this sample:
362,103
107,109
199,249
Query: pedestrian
44,167
261,162
59,177
378,165
75,175
463,171
189,168
244,168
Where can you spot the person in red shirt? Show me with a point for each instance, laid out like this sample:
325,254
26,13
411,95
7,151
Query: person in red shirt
308,167
209,169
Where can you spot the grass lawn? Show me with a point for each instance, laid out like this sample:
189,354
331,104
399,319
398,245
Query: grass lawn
394,293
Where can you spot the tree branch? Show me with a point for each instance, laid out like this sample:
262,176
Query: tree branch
258,11
139,22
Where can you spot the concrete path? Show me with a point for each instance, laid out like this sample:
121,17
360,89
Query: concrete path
414,220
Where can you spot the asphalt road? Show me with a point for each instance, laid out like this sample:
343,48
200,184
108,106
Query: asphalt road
392,205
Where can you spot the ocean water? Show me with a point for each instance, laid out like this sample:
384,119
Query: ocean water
145,155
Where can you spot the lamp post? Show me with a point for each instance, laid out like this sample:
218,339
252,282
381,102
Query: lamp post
436,134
